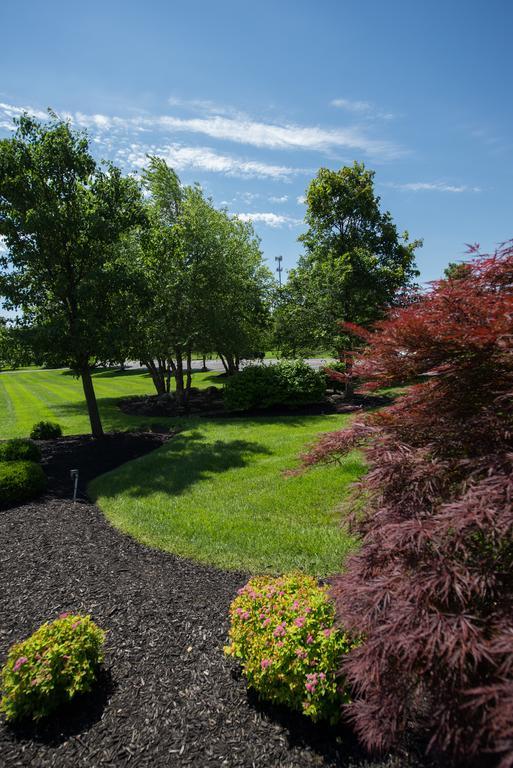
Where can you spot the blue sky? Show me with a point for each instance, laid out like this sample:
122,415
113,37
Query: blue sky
250,99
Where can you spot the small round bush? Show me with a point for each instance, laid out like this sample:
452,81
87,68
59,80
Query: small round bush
46,430
50,667
20,481
282,630
19,449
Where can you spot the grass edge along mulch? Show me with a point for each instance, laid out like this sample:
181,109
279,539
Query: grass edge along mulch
217,493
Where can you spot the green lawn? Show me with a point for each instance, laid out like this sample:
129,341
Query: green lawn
30,396
217,493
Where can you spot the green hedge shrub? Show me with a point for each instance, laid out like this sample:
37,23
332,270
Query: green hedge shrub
50,667
20,481
290,383
19,449
282,630
46,430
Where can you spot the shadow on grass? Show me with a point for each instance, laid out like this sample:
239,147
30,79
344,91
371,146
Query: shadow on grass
114,419
109,373
117,373
179,464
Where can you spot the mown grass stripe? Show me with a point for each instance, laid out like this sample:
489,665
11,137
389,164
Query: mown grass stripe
27,406
7,413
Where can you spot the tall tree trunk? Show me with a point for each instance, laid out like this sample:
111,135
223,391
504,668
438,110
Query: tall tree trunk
156,376
189,374
178,369
232,364
92,405
349,385
225,364
204,366
168,376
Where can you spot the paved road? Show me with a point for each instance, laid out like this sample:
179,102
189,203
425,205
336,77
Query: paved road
212,365
216,365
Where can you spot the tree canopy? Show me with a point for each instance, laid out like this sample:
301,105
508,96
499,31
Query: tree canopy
203,283
354,262
62,216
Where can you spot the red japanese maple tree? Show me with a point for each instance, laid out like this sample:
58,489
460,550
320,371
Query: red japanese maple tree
431,588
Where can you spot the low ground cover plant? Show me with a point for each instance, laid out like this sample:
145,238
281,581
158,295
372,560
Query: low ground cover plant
19,449
45,671
282,631
46,430
432,586
20,481
289,383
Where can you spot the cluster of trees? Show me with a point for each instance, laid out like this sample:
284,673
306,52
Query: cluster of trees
431,588
203,285
101,267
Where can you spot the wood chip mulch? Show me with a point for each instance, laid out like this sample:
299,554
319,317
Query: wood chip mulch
166,696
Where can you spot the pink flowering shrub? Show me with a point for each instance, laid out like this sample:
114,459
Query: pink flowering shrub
282,631
51,666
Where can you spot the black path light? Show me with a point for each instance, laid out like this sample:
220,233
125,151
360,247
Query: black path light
74,477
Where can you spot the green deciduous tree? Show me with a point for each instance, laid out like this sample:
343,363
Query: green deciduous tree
354,262
202,282
62,216
456,270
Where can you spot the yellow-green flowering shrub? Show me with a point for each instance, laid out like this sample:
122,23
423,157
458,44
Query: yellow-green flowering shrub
51,666
282,630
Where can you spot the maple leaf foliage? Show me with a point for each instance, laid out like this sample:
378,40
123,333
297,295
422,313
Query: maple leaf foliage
431,587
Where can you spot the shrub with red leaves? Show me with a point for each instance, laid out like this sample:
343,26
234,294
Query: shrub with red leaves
432,585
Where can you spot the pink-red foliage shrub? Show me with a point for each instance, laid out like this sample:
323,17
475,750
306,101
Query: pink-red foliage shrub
431,588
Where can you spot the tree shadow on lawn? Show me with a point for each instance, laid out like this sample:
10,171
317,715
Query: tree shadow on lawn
180,463
108,373
114,419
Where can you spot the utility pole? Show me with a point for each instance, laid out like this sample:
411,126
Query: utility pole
279,268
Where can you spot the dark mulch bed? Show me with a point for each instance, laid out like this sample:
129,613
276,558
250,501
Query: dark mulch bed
167,696
209,402
92,457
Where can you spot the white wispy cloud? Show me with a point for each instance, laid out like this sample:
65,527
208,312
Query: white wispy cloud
284,136
10,111
239,129
432,186
361,108
180,157
204,106
278,199
248,197
274,220
300,199
352,106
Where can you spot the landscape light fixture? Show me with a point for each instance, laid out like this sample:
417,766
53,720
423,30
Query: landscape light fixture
74,477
